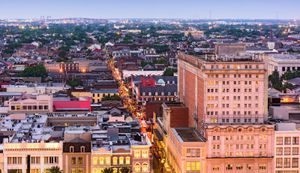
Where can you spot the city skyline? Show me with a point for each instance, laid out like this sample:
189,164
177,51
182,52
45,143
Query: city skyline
192,9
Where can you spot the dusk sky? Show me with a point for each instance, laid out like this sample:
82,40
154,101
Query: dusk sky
246,9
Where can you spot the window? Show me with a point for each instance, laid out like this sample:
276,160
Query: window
137,167
95,160
287,151
121,160
279,163
229,167
287,140
14,160
73,160
295,151
127,160
101,160
279,151
51,160
115,160
295,162
80,160
287,162
216,168
145,154
35,160
137,154
82,149
71,149
279,140
145,167
107,159
193,166
295,140
262,167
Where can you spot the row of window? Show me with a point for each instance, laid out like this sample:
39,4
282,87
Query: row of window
141,154
287,140
287,162
33,160
240,167
156,94
234,75
241,137
236,98
290,68
234,106
287,151
231,82
227,90
235,120
30,107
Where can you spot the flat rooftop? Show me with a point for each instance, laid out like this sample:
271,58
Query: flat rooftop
189,135
243,58
285,57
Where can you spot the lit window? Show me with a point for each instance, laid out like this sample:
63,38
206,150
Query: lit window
121,160
127,160
101,160
137,154
95,160
115,160
145,167
145,153
137,167
107,160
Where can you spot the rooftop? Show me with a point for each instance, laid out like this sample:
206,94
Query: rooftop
189,135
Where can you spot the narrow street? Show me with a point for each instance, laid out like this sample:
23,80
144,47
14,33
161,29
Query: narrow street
127,100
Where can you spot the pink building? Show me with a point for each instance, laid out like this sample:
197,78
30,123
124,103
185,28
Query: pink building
31,104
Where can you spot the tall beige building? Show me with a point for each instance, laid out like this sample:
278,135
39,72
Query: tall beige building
223,89
227,100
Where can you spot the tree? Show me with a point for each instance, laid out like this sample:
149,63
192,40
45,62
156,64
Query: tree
168,72
125,170
35,71
113,97
74,83
275,80
54,169
107,170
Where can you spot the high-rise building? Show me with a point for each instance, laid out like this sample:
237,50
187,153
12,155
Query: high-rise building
227,100
231,89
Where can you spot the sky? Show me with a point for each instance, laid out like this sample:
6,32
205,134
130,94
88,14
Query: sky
190,9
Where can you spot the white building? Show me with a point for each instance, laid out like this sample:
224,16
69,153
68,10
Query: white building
282,62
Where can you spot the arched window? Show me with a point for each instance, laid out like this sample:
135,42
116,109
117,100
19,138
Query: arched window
127,160
115,160
145,167
71,149
137,167
82,149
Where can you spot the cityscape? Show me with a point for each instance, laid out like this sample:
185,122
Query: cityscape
210,89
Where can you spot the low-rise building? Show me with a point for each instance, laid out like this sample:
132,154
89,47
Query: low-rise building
287,146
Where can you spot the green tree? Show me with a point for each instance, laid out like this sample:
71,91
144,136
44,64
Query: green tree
168,72
275,80
113,97
54,169
74,83
125,170
34,71
107,170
